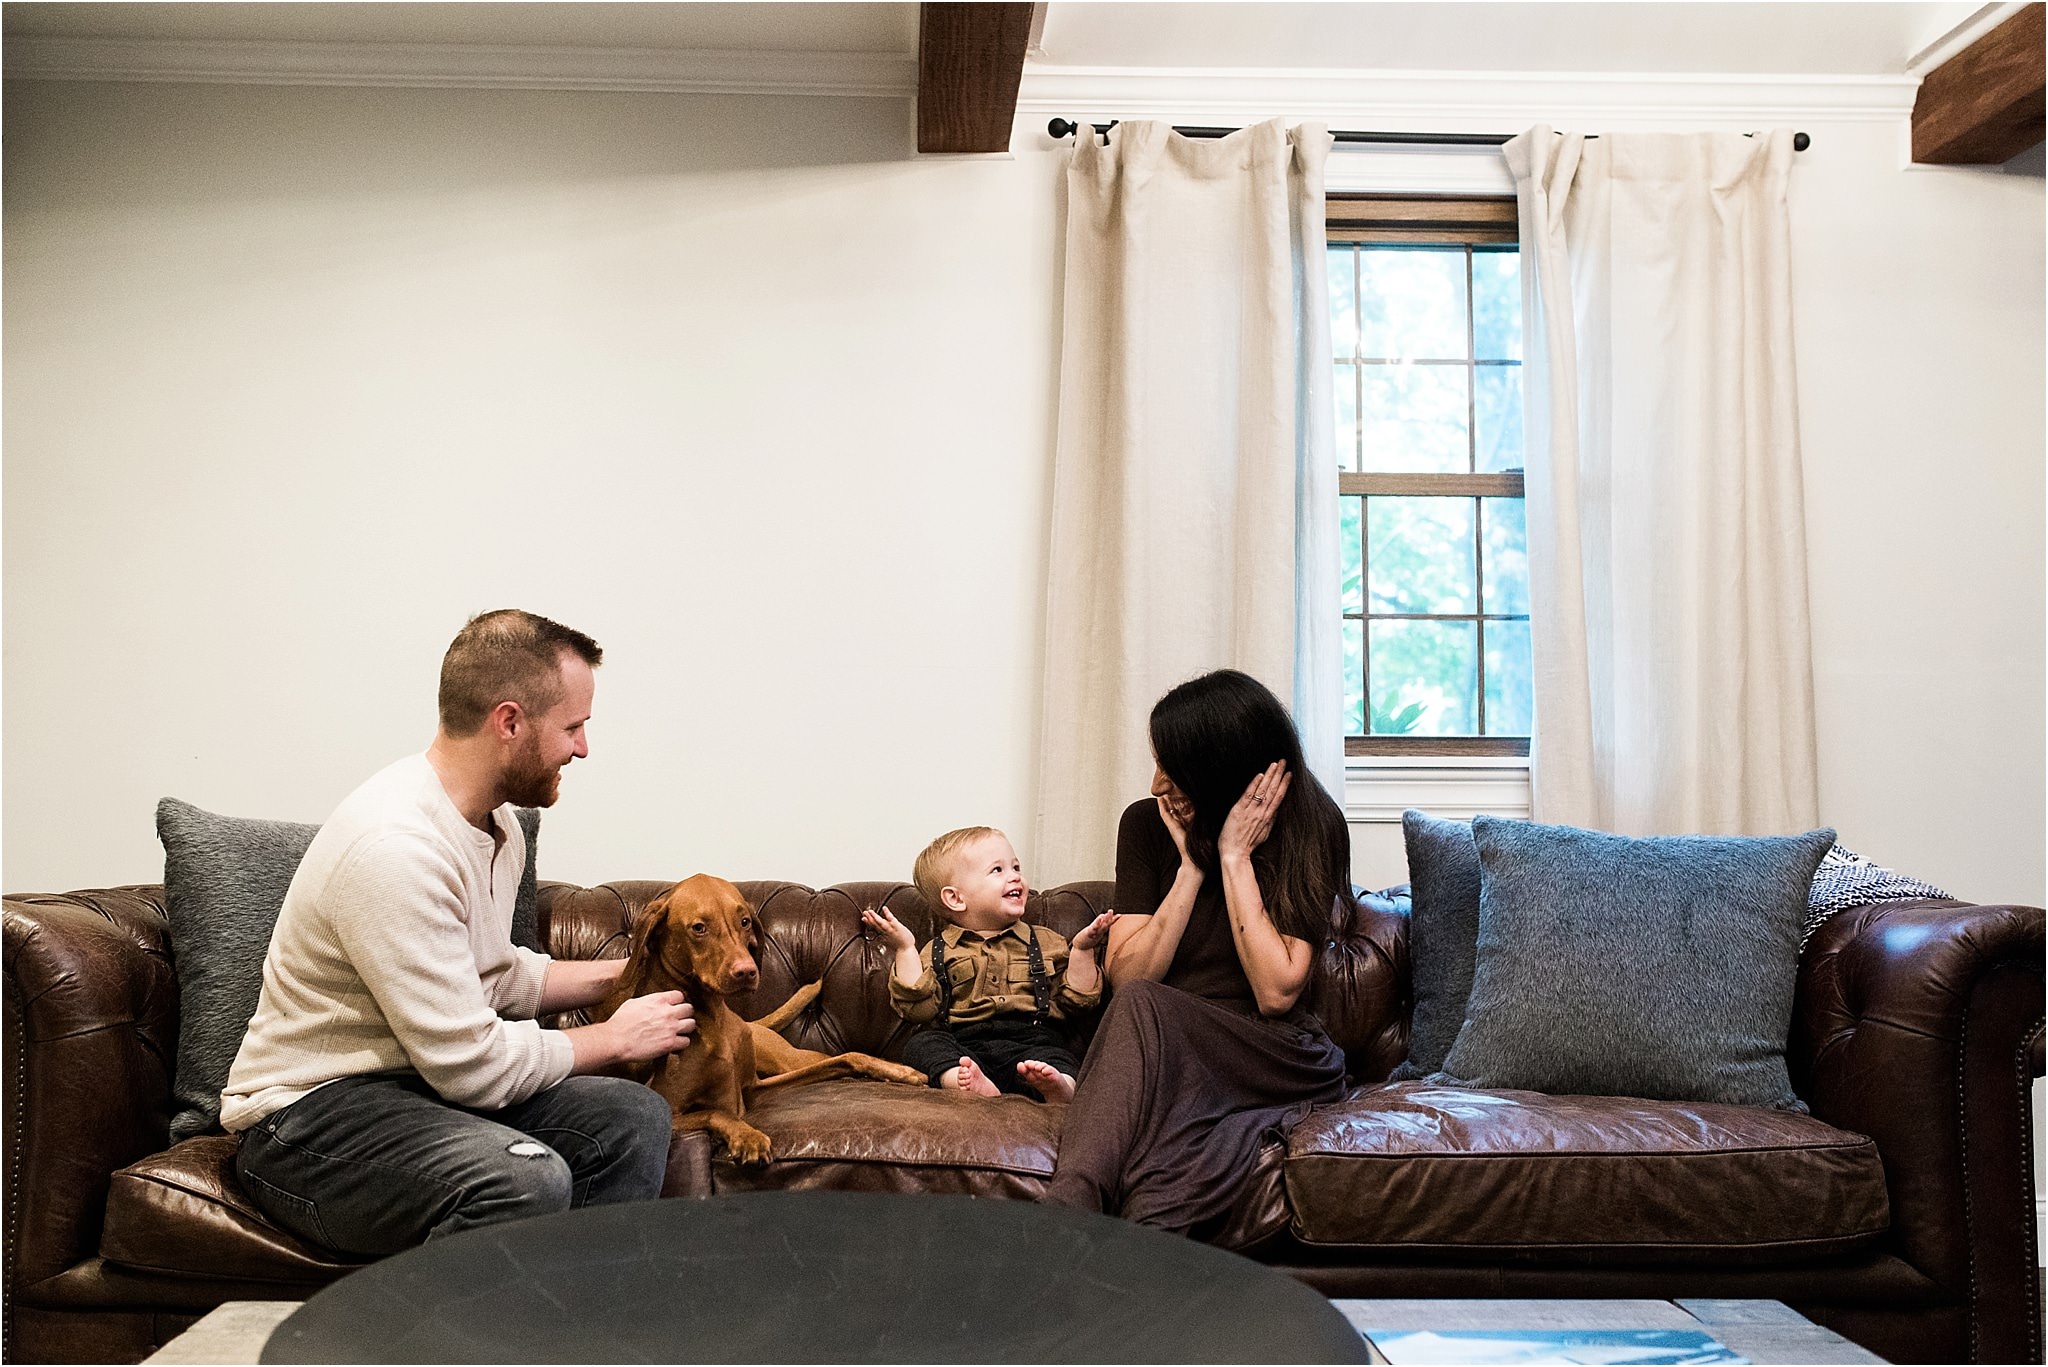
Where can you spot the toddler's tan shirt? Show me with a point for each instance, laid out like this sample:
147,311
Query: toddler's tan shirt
992,977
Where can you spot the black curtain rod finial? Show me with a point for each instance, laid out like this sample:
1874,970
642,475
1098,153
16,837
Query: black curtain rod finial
1066,128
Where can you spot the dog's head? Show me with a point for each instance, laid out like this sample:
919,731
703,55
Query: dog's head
701,932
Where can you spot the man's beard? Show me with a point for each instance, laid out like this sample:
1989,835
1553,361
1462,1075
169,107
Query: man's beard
531,782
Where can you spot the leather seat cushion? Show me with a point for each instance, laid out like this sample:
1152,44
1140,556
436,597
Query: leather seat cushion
184,1211
854,1134
1438,1171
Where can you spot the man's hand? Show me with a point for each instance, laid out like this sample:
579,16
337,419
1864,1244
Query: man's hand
1093,935
649,1027
644,1029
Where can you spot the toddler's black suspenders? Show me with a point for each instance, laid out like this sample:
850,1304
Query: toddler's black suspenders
1041,985
1041,981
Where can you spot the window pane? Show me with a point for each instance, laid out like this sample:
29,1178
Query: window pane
1354,678
1508,707
1505,548
1415,419
1425,678
1421,554
1413,302
1497,304
1344,394
1349,553
1343,302
1498,411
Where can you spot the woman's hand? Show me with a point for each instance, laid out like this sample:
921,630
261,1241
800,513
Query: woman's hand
1177,814
1251,818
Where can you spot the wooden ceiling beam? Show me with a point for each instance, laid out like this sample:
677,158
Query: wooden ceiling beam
1985,104
970,61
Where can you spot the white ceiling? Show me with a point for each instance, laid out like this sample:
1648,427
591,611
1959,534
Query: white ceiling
1846,37
1462,35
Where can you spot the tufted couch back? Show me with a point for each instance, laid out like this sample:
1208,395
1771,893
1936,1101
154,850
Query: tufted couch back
810,934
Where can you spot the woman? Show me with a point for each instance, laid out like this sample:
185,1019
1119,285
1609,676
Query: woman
1225,879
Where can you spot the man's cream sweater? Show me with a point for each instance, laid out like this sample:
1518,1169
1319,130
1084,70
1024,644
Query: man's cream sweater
393,954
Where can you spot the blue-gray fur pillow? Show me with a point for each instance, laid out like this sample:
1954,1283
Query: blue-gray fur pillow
1443,924
1659,967
225,878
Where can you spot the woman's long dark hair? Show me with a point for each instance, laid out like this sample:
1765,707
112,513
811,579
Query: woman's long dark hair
1212,735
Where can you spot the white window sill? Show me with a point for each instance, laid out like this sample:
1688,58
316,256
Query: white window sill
1378,788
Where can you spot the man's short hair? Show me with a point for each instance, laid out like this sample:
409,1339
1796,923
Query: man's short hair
507,655
932,867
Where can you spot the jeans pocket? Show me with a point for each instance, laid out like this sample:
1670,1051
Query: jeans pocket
292,1213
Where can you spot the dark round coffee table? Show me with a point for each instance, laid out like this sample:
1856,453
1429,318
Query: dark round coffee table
817,1277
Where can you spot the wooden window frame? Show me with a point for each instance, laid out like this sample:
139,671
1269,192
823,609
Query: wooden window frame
1430,220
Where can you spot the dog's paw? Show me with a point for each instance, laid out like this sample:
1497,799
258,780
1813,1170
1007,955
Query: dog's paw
896,1072
748,1146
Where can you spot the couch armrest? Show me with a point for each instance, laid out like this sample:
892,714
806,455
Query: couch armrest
92,1036
1918,1024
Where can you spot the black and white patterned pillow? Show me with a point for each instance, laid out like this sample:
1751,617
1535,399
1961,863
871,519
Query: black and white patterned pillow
1846,879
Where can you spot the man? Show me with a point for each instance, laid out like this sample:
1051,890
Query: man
394,1085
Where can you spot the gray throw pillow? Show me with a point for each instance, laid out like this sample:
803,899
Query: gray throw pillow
1660,967
526,906
1443,924
225,879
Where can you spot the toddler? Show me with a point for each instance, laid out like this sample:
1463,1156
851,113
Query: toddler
987,984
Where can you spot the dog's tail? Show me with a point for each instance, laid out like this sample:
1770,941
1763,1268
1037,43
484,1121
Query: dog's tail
794,1007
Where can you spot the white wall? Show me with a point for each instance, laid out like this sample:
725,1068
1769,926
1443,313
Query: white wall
1919,324
298,378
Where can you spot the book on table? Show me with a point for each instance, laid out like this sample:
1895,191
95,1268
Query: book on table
1402,1347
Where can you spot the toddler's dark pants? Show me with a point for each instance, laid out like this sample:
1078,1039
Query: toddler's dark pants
997,1046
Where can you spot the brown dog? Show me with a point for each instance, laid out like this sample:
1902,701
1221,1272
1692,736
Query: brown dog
699,938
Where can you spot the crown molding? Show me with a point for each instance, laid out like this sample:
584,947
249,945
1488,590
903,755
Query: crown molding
1438,101
1462,101
462,66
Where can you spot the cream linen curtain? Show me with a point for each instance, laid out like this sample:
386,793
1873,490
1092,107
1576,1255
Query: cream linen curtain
1194,521
1667,542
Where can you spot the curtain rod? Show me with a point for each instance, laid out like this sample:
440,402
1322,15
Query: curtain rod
1063,128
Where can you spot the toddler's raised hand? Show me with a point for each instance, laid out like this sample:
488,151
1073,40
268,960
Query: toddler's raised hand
894,933
1095,934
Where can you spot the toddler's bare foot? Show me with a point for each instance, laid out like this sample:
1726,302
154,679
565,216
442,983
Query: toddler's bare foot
1051,1083
969,1078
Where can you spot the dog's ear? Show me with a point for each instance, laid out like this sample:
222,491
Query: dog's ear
650,932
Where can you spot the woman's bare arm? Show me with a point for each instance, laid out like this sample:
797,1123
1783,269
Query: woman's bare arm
1277,965
1143,946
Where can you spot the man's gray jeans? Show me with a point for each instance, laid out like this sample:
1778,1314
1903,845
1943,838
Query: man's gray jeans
373,1165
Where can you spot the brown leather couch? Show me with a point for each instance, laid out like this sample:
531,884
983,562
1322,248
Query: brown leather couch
1900,1212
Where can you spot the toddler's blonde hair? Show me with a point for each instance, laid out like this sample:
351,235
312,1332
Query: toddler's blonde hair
933,867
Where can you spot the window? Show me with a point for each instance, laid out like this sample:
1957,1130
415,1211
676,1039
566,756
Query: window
1426,330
